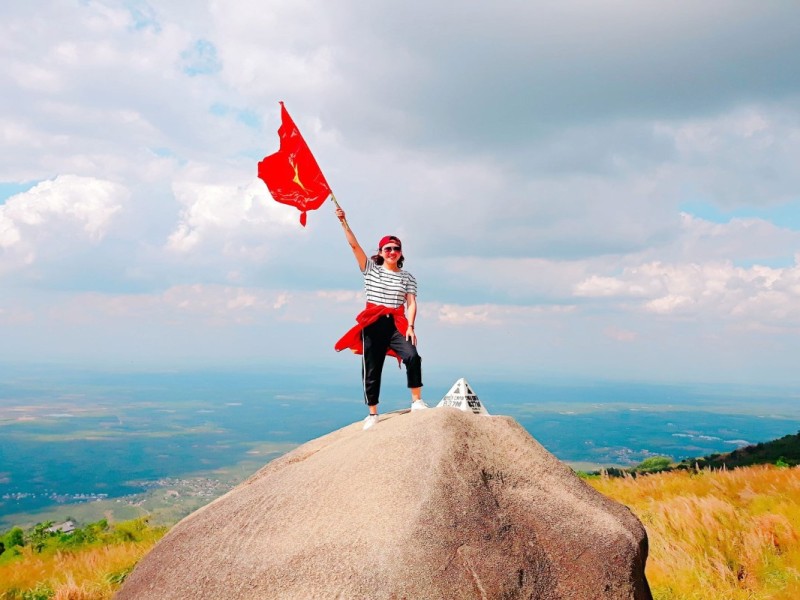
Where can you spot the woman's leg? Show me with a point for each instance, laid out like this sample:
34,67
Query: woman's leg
375,338
412,360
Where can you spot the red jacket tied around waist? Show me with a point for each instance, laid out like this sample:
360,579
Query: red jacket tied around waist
373,312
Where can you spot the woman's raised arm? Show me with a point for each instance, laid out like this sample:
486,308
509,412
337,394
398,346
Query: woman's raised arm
358,251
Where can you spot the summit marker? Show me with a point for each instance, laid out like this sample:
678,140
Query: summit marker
462,397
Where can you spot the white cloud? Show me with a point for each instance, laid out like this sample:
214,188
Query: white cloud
257,313
740,157
230,213
604,287
620,335
349,297
757,295
207,304
58,213
739,239
492,314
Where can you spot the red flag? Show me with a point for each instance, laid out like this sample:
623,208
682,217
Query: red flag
292,174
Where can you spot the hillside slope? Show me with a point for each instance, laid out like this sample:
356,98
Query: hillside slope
785,450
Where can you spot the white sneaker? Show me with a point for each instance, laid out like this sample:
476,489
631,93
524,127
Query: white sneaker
419,405
370,421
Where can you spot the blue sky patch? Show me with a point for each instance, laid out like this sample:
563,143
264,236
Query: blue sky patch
8,189
143,16
782,262
200,59
783,215
162,152
245,116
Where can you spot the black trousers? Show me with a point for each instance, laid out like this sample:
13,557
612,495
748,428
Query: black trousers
379,337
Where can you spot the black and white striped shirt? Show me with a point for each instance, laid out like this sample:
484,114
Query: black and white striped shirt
387,288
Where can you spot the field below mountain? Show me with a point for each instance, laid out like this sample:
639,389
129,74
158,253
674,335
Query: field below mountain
125,445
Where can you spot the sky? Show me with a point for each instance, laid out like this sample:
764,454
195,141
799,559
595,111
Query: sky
583,189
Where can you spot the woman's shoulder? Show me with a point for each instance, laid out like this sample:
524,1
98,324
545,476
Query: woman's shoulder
369,265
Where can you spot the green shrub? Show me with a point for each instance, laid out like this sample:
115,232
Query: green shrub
118,577
653,464
13,537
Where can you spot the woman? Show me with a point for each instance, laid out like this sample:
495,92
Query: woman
383,327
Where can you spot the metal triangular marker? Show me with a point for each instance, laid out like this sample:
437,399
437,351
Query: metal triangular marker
462,397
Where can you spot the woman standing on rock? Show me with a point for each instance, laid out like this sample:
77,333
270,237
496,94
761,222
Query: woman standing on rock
383,326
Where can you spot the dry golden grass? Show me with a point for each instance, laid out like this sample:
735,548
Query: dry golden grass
91,573
722,535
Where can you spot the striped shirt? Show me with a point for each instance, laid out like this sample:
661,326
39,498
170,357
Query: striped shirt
387,288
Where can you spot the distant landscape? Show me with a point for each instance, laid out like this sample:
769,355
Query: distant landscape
122,445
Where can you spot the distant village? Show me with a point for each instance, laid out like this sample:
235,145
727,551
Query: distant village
54,496
175,488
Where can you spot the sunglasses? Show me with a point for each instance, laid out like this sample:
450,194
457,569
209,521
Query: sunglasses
391,249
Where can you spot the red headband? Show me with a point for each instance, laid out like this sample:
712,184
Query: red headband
389,238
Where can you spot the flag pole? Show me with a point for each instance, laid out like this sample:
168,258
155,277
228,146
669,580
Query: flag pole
344,221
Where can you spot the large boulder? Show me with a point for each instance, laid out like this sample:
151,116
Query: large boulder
430,504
